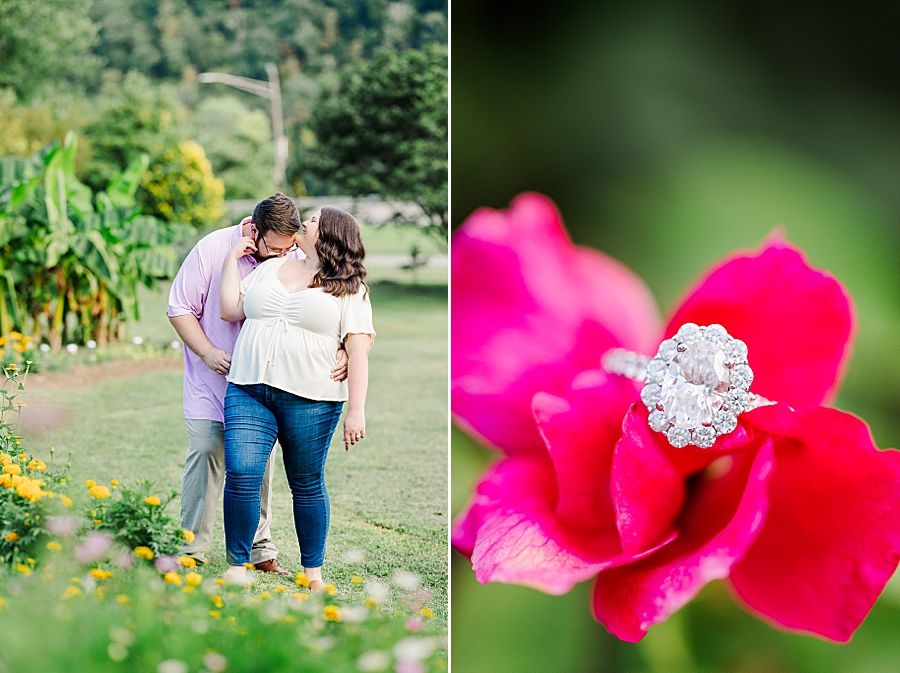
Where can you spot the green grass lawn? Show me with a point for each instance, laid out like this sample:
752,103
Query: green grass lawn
388,495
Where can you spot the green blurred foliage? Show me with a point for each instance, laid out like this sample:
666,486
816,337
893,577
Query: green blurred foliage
670,135
384,130
133,117
309,41
67,252
46,44
238,144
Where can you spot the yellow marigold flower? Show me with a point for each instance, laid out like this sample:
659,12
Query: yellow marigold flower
12,537
13,367
265,594
23,568
220,581
15,336
193,579
188,535
30,490
248,566
279,589
97,522
54,546
12,469
356,580
66,500
5,459
301,597
152,500
172,577
90,483
332,613
426,612
122,599
217,601
144,552
370,603
114,482
5,480
99,492
100,574
71,592
215,614
75,580
36,465
22,456
331,589
187,561
301,579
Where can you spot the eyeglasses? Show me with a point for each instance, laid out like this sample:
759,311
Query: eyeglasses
276,253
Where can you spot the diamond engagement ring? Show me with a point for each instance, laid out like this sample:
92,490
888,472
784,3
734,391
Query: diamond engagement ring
695,387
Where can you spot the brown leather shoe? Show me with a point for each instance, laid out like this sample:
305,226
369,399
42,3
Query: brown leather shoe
272,566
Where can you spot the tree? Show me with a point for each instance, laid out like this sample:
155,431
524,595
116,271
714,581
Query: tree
383,130
62,255
45,43
238,143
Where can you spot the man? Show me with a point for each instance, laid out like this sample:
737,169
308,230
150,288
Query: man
194,313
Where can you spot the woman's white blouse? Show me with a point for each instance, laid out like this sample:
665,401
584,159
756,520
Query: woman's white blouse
290,339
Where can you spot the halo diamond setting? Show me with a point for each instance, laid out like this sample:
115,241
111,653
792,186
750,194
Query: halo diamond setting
696,385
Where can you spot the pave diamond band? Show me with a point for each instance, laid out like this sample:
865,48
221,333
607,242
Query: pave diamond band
695,387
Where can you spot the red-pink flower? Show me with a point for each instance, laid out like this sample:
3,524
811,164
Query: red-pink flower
797,508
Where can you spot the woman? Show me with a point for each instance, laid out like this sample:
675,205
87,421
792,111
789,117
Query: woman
280,386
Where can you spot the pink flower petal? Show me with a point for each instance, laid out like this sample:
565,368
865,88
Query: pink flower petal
648,478
832,538
530,310
581,431
647,488
725,509
798,322
512,535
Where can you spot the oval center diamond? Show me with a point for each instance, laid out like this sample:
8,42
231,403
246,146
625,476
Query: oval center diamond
694,385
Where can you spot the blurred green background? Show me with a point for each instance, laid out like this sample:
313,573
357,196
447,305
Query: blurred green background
670,134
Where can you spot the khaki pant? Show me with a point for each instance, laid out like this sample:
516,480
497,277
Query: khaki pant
201,491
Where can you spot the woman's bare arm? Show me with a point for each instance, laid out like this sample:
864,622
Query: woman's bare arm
357,346
231,302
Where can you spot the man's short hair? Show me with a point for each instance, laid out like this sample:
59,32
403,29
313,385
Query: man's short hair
277,214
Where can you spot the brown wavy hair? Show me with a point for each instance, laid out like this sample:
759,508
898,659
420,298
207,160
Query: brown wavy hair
341,252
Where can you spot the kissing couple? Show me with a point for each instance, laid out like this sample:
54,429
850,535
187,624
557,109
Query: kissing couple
276,320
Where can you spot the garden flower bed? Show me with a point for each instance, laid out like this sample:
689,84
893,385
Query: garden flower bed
95,567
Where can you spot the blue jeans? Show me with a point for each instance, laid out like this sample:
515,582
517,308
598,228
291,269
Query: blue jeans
255,416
